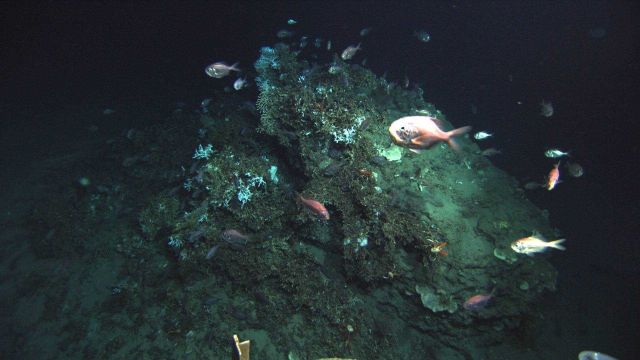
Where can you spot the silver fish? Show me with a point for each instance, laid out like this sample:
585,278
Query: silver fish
422,35
212,251
555,153
350,52
283,34
481,135
365,31
546,108
240,83
219,70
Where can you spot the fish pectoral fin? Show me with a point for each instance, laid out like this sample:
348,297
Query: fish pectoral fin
417,151
421,140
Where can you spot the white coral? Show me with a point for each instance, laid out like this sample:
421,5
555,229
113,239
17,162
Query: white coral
203,152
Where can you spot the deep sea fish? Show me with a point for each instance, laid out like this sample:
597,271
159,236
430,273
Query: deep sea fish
554,177
283,34
212,251
235,238
555,153
422,35
334,69
108,111
490,152
482,135
439,248
328,45
131,133
478,302
534,244
291,22
206,102
594,355
332,169
240,84
304,40
350,52
574,169
219,70
379,160
315,206
532,185
365,31
196,235
418,133
546,109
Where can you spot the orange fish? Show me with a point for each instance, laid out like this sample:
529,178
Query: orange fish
554,177
534,244
418,133
477,302
316,207
439,248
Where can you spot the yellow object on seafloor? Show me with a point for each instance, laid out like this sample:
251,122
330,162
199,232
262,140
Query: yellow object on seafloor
240,349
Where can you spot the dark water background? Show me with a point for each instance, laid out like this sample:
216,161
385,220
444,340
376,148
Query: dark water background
63,63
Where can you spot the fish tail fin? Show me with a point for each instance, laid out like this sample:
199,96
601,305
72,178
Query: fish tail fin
556,244
456,132
234,67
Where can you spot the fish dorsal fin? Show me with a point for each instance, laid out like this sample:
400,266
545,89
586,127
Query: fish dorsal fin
439,123
538,235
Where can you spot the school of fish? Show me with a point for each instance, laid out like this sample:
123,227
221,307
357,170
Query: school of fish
416,133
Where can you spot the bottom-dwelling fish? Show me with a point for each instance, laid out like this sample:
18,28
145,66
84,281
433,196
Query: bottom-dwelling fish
315,207
235,238
439,248
477,302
